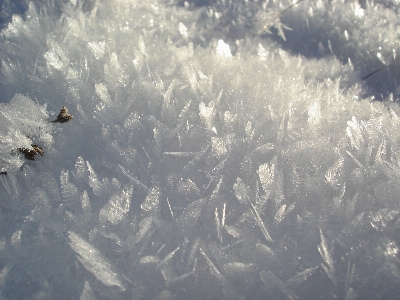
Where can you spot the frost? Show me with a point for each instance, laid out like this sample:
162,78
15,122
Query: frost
183,30
101,91
57,57
117,207
87,293
327,265
94,261
189,217
98,49
22,123
237,267
68,189
223,49
272,281
242,148
152,199
267,175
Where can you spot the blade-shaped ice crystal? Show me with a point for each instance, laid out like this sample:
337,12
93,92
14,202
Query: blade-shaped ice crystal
218,225
98,49
334,173
271,280
223,49
207,114
232,231
214,271
68,189
238,268
222,145
94,261
326,255
113,73
152,199
81,170
56,57
87,293
260,223
354,132
101,91
242,193
267,175
117,207
165,260
150,259
145,227
85,203
187,220
301,277
178,279
142,46
314,114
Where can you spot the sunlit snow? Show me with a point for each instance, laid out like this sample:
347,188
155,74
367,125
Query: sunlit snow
227,149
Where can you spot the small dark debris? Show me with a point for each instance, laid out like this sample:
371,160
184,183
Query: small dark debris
3,172
30,153
38,150
63,116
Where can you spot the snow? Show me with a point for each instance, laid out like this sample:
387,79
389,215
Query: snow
227,149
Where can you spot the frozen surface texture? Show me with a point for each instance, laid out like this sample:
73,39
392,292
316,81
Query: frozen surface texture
216,151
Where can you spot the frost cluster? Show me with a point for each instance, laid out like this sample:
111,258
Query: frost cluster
218,150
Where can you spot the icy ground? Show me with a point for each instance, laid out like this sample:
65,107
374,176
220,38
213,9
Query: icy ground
218,150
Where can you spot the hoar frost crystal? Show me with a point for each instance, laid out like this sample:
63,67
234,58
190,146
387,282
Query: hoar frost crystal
216,151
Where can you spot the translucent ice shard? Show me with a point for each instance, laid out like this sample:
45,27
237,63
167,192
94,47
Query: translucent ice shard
334,173
266,173
271,280
85,202
216,272
56,57
326,255
94,261
101,91
68,189
145,228
179,279
117,207
81,170
87,293
314,114
150,259
242,193
152,199
166,259
218,225
207,114
260,223
354,132
301,277
223,49
187,220
237,268
98,49
183,30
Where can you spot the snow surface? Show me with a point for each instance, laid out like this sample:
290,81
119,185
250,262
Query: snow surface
218,150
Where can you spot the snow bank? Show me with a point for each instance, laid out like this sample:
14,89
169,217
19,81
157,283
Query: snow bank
213,153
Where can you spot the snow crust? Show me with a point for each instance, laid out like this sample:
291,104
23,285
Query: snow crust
218,150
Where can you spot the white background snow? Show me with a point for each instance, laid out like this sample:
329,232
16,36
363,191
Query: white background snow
218,149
